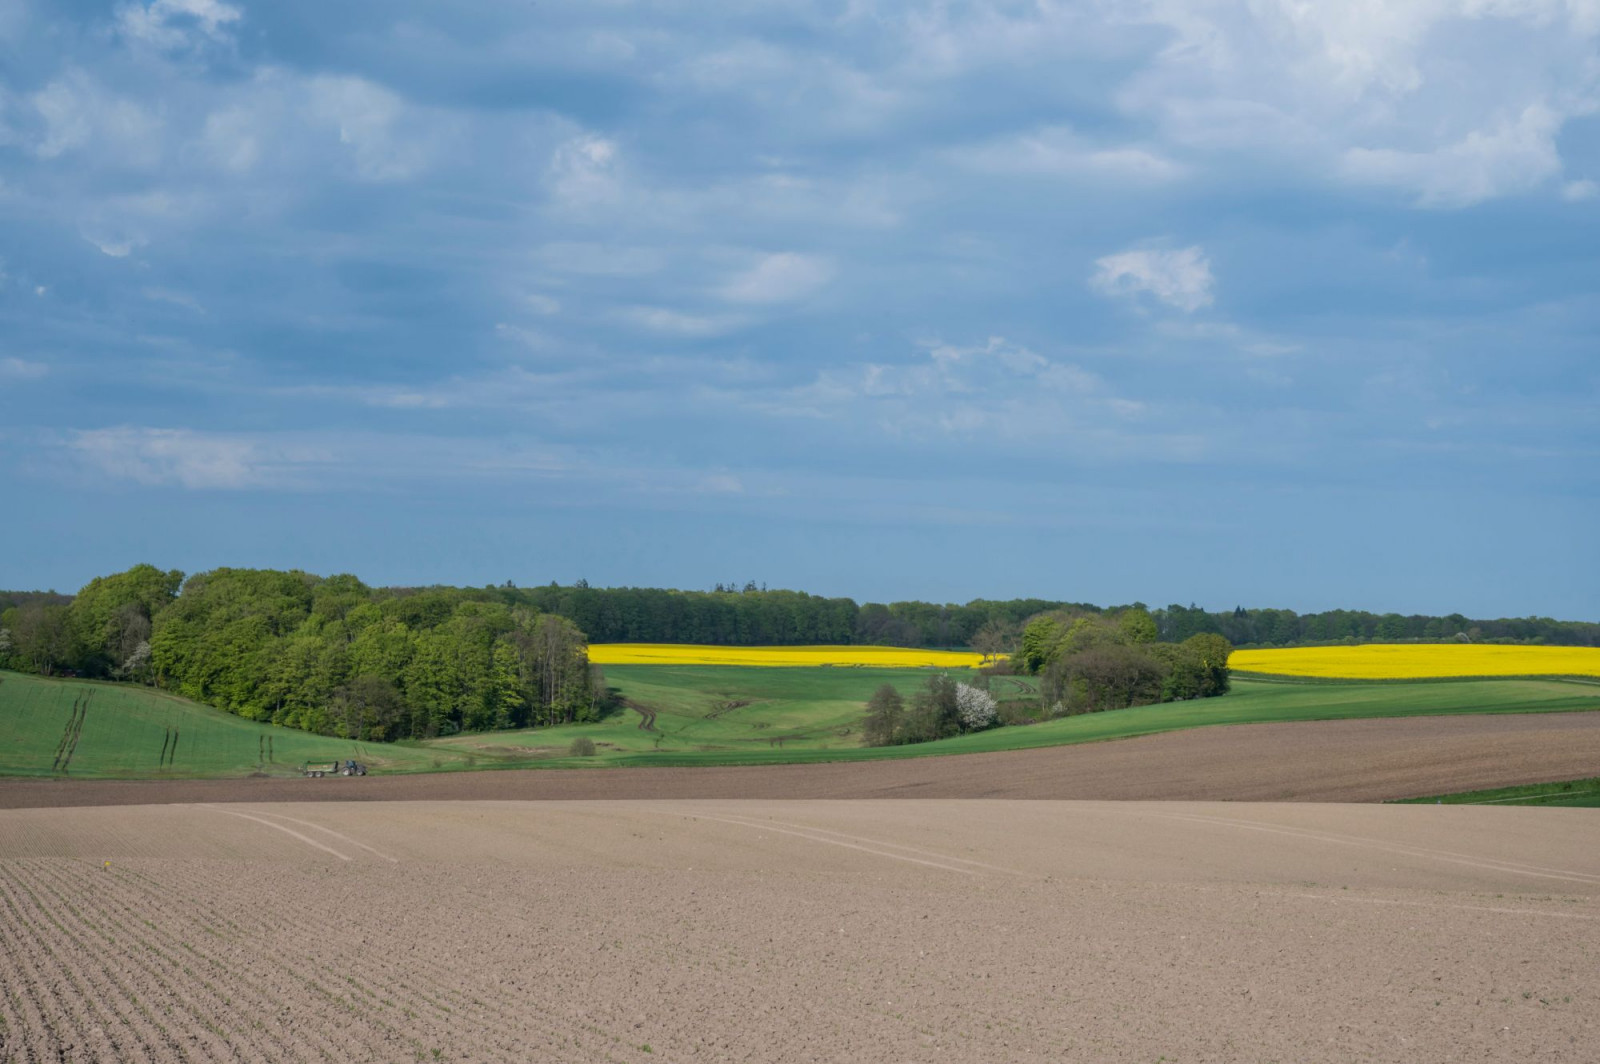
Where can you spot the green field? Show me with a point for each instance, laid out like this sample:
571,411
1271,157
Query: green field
697,716
1571,794
124,729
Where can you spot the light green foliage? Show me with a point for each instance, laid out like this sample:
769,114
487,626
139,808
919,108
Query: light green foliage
112,615
335,657
1038,636
1137,625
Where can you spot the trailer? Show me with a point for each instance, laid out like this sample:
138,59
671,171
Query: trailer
318,769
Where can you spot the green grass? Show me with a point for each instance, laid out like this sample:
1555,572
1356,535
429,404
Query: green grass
713,712
124,728
1582,794
814,705
702,716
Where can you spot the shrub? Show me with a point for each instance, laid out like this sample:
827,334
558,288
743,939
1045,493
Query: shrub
582,746
976,707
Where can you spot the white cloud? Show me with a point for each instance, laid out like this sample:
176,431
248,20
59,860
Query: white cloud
676,323
583,171
173,24
1179,278
76,112
117,247
1413,94
120,224
1511,156
542,304
195,460
779,278
1578,191
232,138
600,260
370,121
177,299
22,370
1056,151
721,484
996,390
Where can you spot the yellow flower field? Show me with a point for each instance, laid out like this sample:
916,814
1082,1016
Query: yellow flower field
1419,661
872,657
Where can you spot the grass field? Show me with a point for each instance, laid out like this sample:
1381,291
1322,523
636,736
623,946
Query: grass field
1418,661
679,715
124,729
696,721
1579,794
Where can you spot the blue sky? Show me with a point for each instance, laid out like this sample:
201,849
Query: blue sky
1264,303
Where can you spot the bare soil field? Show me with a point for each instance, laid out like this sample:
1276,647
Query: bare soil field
860,931
1320,761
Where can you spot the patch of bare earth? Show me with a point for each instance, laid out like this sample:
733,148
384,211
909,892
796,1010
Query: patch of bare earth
799,931
1320,761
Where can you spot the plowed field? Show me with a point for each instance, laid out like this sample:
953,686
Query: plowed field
1326,761
795,931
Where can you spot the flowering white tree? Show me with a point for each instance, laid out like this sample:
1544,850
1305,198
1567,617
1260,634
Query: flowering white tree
975,707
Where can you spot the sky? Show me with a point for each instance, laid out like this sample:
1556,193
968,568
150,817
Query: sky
1264,303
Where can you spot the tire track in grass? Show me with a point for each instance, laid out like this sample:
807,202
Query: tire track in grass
127,965
72,1022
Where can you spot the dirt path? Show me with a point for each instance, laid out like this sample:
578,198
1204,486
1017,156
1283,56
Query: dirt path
1328,761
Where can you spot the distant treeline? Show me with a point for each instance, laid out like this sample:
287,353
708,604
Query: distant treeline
756,617
328,655
1277,628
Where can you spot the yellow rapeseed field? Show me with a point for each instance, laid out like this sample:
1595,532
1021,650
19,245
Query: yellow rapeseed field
1419,661
874,657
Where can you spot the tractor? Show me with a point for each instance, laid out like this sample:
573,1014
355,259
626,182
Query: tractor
318,769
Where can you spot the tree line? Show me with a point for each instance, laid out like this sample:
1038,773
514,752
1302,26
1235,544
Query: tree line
324,654
748,615
1278,628
753,616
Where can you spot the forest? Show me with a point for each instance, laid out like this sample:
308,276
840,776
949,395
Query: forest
328,655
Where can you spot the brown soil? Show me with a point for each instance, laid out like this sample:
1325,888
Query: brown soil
759,931
1330,761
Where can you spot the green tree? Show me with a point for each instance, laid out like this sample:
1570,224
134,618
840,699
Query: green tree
1038,636
885,711
1137,625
